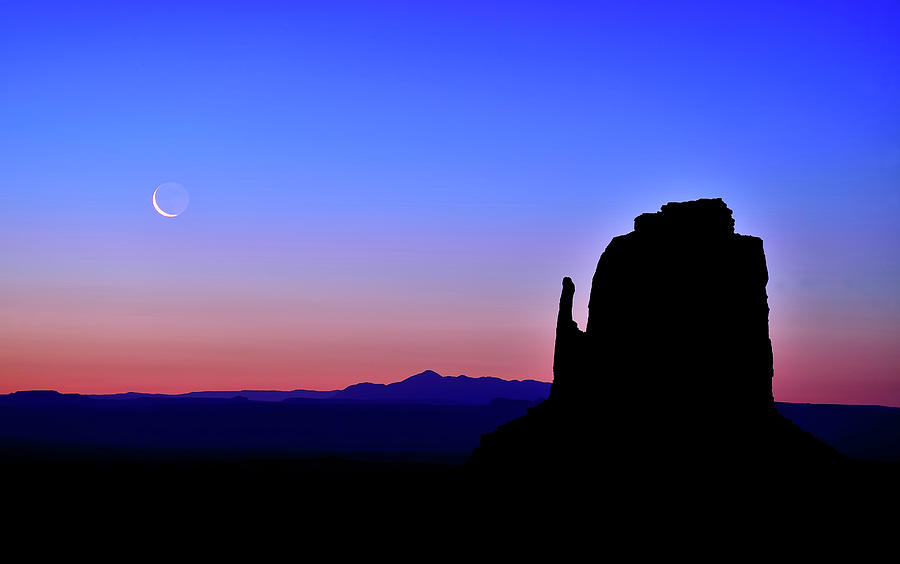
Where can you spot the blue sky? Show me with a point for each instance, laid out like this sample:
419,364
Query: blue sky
447,162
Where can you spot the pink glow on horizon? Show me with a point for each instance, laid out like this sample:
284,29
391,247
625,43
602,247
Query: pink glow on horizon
79,343
271,321
818,369
86,341
75,343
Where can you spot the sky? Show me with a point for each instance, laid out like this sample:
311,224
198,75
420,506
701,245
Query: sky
380,188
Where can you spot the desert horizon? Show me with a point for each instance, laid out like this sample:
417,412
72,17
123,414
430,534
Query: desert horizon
226,394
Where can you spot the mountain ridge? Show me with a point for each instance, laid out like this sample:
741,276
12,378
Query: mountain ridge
427,386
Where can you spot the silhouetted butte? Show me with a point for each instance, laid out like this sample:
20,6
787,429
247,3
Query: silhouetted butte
674,369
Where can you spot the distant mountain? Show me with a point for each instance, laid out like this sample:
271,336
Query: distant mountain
431,387
427,387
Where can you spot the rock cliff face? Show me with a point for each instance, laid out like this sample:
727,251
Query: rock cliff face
675,364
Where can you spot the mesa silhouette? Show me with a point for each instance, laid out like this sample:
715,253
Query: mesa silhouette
673,373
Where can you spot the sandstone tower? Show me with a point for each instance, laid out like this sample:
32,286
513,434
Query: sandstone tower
675,365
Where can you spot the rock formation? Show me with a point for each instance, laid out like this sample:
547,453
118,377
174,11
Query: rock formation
674,369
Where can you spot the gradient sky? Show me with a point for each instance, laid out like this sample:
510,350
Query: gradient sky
383,188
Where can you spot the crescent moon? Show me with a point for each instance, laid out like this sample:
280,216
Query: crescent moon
158,209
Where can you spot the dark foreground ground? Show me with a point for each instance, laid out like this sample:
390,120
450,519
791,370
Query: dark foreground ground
153,456
239,503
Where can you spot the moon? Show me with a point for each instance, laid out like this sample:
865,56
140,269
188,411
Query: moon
170,199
